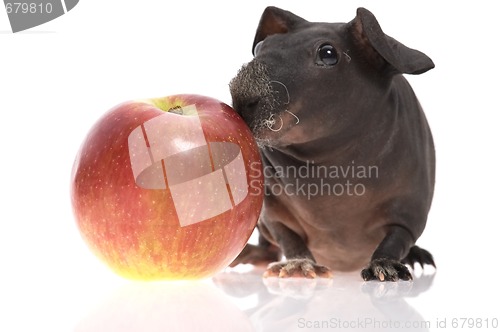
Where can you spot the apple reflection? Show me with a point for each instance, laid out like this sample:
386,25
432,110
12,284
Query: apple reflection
166,306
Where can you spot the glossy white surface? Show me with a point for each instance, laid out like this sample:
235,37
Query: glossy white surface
246,302
57,79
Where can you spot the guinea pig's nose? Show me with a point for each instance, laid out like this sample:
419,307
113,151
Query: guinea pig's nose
251,105
246,107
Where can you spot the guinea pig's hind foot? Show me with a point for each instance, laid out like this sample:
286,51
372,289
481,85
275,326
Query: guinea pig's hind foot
420,256
257,255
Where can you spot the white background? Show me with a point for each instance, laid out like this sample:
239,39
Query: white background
57,79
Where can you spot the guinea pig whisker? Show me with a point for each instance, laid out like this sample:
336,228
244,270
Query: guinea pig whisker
286,89
296,117
271,121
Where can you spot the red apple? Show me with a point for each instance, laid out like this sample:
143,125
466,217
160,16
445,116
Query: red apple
168,188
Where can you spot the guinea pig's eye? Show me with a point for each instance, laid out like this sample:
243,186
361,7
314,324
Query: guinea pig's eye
257,47
326,55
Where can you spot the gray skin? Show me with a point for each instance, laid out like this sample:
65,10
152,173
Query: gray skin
331,96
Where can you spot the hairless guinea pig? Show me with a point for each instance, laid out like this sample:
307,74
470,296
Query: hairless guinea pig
348,155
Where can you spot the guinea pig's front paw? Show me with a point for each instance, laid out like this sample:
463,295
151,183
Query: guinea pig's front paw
297,268
384,269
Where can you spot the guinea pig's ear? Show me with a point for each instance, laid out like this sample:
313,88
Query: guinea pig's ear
385,51
275,20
